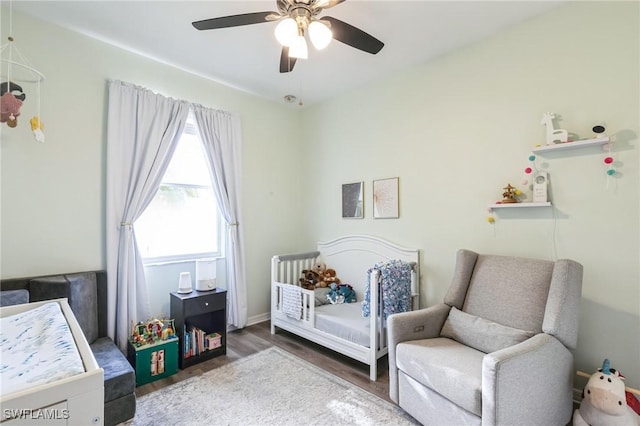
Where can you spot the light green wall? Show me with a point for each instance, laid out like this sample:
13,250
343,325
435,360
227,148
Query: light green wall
455,130
459,128
53,194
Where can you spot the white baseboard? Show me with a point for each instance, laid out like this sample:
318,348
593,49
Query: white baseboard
256,319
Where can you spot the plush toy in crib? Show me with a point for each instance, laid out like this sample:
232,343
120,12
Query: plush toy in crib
604,401
341,293
309,279
326,276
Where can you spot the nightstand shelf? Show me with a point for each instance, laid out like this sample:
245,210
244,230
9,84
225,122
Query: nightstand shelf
205,312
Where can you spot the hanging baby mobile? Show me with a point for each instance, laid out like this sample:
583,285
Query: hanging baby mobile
15,73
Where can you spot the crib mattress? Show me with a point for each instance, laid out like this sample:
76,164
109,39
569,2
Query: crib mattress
344,320
37,347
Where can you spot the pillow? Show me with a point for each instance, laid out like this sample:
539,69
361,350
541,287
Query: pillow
479,333
321,295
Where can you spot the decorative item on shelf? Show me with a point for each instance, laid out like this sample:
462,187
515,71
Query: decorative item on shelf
553,135
608,160
152,331
184,283
509,194
540,182
205,274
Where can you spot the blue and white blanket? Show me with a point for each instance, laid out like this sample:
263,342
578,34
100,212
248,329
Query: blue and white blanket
395,282
37,347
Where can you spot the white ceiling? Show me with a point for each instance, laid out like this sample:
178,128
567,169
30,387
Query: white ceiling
248,57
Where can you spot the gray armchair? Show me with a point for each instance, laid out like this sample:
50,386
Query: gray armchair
497,351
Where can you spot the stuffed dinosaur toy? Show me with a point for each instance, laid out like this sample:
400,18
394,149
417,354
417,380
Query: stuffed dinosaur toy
604,401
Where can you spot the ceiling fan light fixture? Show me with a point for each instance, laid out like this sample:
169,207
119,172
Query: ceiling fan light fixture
298,48
320,35
286,31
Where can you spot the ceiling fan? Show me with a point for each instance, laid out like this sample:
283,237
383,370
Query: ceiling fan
297,18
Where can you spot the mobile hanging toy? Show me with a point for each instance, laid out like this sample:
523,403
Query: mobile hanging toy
15,69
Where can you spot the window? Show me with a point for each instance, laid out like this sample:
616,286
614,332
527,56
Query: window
182,222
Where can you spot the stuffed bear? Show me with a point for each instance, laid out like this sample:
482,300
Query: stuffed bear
319,268
604,402
309,279
328,277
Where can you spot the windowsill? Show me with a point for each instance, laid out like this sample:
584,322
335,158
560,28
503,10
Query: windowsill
162,262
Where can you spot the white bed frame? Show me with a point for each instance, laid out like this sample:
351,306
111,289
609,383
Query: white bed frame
351,256
75,400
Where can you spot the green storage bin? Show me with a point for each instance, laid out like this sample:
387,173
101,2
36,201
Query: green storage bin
155,361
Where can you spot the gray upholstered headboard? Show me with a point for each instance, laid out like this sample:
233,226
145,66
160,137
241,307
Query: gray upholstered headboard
101,279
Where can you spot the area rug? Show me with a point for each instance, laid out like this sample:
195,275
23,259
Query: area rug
271,387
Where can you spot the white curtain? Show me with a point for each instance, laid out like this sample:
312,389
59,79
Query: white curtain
142,133
221,136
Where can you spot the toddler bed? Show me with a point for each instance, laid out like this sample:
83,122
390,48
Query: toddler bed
340,327
48,374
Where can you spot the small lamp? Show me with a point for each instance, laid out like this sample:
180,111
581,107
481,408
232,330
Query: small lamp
184,283
205,274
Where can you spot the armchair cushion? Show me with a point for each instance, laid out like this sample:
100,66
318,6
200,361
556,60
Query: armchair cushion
479,333
451,369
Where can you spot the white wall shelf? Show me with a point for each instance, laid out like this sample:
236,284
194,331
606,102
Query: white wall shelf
572,145
518,205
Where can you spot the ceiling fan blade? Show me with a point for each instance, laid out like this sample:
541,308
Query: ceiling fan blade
354,37
326,4
286,62
232,20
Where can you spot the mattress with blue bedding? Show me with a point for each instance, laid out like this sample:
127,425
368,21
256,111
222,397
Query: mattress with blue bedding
37,347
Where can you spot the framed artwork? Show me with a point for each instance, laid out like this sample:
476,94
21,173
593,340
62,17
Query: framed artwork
353,200
385,199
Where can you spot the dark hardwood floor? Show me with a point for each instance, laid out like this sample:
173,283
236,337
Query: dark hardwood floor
252,339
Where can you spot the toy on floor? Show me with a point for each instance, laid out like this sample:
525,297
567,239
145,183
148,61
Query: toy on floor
604,401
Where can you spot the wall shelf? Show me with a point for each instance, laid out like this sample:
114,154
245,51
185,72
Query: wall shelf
572,145
518,205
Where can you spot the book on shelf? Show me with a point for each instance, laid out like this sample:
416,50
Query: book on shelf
197,341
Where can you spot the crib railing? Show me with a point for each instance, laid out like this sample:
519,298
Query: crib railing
286,270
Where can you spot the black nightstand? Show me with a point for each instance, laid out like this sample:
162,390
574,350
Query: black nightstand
197,316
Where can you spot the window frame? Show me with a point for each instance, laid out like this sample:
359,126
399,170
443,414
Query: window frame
191,129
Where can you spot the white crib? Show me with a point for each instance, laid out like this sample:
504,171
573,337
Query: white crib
351,256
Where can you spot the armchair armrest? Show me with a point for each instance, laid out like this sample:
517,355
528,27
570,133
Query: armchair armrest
540,366
413,325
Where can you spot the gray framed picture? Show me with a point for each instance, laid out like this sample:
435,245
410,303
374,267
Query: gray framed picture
353,200
385,199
